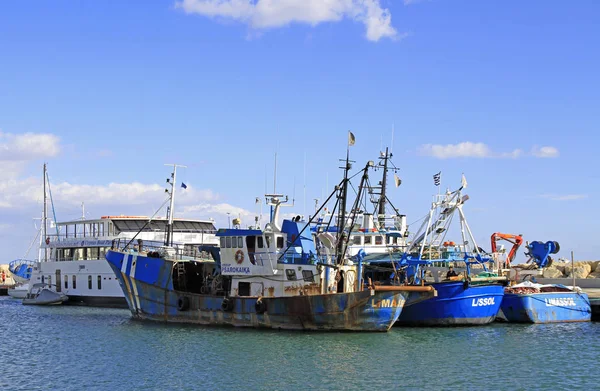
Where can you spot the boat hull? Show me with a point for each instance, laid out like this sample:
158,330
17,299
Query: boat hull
150,296
454,305
46,297
546,307
16,293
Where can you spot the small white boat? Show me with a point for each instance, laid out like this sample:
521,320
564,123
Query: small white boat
42,294
19,291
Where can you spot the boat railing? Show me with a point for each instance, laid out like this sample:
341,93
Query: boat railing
177,251
274,257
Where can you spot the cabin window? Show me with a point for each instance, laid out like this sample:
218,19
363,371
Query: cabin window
290,274
90,282
92,253
101,229
368,240
66,282
280,242
259,241
74,281
79,254
228,242
268,239
240,242
378,239
244,289
308,276
99,282
222,242
234,243
102,252
356,239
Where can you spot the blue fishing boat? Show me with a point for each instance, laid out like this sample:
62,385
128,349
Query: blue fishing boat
535,303
529,302
467,292
261,278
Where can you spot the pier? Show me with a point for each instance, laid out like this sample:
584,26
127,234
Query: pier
594,295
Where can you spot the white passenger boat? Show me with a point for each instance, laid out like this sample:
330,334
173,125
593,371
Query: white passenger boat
76,261
72,256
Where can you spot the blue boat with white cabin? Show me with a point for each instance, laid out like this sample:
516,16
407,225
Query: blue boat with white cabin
260,278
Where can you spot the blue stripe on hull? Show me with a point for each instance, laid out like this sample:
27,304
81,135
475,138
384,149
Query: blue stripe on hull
150,295
545,307
454,305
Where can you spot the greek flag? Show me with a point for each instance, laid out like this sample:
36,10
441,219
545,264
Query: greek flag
437,178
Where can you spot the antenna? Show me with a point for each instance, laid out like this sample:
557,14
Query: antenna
82,211
392,145
304,188
275,175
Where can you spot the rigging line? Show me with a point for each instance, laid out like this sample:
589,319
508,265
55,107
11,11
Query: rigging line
422,218
147,222
37,235
307,225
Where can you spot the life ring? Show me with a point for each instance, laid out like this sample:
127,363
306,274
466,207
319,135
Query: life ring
260,306
48,240
183,303
227,304
239,256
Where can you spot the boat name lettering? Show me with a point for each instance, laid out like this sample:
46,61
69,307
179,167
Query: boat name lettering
235,269
483,302
387,303
560,302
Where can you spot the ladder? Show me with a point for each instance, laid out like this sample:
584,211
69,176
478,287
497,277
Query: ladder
180,268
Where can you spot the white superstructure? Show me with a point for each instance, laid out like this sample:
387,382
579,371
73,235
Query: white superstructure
75,253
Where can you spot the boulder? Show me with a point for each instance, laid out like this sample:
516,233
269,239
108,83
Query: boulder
597,269
552,272
582,270
594,275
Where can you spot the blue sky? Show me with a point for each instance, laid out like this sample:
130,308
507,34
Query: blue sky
107,92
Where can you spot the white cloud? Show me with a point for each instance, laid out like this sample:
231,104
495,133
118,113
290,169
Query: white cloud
480,150
464,149
28,146
544,152
565,197
24,193
264,14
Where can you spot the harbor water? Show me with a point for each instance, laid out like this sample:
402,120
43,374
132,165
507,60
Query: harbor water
82,348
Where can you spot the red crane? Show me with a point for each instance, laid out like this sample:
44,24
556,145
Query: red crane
516,241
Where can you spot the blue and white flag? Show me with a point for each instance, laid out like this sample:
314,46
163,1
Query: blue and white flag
437,178
183,185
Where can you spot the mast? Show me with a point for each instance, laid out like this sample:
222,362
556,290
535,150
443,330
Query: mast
382,198
342,212
172,181
45,217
